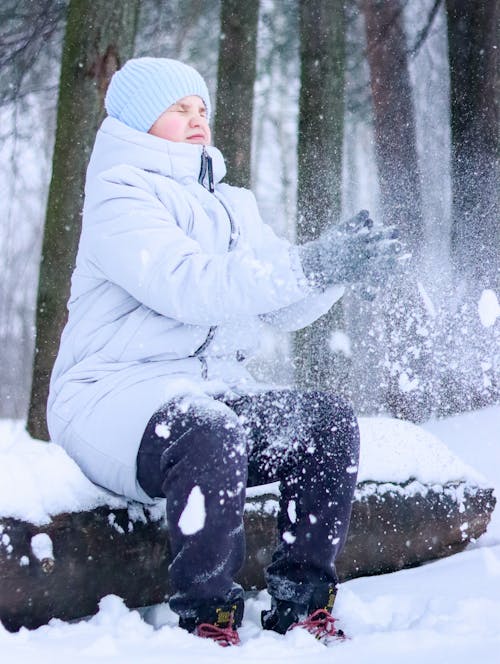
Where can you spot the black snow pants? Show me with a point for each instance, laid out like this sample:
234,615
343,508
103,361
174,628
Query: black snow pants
202,453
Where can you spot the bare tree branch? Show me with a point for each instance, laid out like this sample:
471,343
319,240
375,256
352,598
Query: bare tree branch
422,35
27,30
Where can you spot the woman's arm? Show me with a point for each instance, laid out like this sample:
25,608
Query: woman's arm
135,242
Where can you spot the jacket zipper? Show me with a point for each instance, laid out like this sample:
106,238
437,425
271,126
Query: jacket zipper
206,169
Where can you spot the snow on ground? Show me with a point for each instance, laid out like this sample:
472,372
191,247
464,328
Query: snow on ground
475,438
446,611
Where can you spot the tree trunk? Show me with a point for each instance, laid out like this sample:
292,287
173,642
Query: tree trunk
473,58
407,353
235,82
394,120
321,127
99,38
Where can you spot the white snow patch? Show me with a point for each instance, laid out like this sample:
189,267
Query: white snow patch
162,430
51,482
193,516
488,308
339,342
113,524
292,511
395,450
41,545
406,384
391,450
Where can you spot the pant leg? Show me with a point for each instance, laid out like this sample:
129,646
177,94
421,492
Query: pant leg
195,456
310,443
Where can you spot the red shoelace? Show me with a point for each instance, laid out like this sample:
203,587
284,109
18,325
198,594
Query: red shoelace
321,625
224,636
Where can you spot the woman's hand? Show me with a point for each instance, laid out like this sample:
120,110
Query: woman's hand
354,251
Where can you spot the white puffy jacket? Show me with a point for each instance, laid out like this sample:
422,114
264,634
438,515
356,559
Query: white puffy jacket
172,286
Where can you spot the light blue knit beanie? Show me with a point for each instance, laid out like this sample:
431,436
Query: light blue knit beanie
143,88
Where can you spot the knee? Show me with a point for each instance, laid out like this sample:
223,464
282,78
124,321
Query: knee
331,409
222,440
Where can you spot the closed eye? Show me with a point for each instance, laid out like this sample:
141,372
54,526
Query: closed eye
201,110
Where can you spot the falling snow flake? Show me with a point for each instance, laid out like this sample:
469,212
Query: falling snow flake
488,308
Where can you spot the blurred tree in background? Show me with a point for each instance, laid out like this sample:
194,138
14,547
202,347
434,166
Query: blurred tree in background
319,178
400,201
394,120
473,30
30,45
99,38
235,84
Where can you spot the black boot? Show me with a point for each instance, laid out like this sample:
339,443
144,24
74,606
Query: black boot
217,621
282,615
315,617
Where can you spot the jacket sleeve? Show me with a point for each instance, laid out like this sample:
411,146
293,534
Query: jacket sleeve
312,305
131,239
304,312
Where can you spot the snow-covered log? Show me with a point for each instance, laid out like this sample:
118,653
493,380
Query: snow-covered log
63,568
65,543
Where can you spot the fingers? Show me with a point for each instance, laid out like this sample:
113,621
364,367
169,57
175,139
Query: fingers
381,248
362,217
359,221
380,234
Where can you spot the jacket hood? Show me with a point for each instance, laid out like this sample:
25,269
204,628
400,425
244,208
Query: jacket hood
117,144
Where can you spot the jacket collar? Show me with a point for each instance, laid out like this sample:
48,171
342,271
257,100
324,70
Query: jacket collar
116,143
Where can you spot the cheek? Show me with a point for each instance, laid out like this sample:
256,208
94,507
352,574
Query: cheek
170,127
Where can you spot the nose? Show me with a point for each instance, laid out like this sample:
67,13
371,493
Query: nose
195,119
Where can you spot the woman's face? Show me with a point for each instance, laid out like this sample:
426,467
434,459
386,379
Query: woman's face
184,122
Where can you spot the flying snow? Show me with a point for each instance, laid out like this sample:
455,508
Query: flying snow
339,342
429,305
488,308
406,384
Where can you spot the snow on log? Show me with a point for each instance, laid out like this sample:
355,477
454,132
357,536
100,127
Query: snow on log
65,543
125,551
